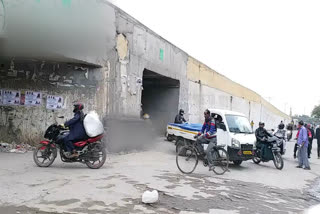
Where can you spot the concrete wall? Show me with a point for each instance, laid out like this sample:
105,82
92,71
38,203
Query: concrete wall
119,49
209,89
72,82
143,52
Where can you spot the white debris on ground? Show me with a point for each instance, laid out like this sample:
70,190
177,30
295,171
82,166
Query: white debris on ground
150,197
15,148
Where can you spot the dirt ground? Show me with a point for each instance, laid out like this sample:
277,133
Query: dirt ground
118,186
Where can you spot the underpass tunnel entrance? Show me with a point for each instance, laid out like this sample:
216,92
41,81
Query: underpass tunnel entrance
160,99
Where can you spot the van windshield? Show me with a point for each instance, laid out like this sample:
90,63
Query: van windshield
238,124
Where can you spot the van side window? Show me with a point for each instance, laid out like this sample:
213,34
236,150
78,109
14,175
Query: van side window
217,119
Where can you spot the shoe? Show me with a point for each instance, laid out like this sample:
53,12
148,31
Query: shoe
309,157
294,156
205,162
74,155
307,168
298,166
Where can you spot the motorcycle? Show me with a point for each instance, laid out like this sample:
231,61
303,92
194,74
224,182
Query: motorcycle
91,151
273,146
281,141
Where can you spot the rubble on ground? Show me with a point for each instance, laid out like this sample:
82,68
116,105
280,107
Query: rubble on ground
15,148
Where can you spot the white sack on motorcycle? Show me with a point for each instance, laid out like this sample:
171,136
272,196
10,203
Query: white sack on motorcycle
92,124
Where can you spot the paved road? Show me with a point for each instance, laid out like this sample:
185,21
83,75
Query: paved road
118,186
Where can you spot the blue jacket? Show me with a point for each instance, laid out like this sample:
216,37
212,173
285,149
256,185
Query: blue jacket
77,131
303,136
209,128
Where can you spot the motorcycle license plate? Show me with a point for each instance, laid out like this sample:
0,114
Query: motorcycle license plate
247,152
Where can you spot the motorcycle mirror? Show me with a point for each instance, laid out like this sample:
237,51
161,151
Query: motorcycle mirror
61,117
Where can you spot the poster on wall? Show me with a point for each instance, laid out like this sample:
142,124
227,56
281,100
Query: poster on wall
54,102
10,97
0,96
32,98
22,98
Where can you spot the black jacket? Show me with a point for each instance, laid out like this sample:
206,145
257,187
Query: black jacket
262,133
179,119
77,131
312,133
318,133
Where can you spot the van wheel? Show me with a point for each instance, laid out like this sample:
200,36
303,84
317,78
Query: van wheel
179,145
170,138
237,162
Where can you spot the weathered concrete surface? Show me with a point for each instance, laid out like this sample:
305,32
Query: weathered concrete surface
118,186
71,81
111,50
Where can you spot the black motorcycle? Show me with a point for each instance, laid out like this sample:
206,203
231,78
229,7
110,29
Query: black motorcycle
91,151
272,152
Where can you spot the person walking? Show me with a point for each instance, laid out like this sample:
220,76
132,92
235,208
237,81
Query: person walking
303,147
318,140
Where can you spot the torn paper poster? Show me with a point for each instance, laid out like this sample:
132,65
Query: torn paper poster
54,102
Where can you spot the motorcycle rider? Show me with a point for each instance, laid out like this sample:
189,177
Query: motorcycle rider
179,118
290,129
207,135
281,132
261,135
77,131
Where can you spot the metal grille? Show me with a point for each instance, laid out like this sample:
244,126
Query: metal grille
246,147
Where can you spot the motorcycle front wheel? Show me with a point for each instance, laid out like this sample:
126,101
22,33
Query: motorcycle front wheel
44,156
278,161
256,160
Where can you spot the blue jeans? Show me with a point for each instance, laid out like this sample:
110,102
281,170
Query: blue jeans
68,144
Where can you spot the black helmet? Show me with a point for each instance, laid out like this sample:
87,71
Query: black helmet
281,126
301,122
181,111
261,123
78,106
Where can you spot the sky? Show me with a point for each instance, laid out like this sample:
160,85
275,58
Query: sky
269,46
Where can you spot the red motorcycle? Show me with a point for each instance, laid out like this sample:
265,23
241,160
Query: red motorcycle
91,151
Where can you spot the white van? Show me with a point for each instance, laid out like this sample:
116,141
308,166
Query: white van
233,131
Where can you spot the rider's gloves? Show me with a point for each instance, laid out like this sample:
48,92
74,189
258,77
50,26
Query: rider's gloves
62,125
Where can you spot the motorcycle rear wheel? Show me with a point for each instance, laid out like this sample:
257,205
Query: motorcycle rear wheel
96,164
47,153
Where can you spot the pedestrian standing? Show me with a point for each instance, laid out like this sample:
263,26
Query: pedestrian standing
303,147
310,138
318,140
252,124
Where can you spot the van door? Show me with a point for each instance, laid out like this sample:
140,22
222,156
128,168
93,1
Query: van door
222,133
222,136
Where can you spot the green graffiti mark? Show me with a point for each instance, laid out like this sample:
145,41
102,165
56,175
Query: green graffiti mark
66,3
161,54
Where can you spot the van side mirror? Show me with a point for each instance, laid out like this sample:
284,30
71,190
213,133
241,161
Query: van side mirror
222,126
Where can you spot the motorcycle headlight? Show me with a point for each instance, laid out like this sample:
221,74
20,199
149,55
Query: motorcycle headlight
235,143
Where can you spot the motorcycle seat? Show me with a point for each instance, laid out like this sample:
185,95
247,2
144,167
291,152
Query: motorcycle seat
89,140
